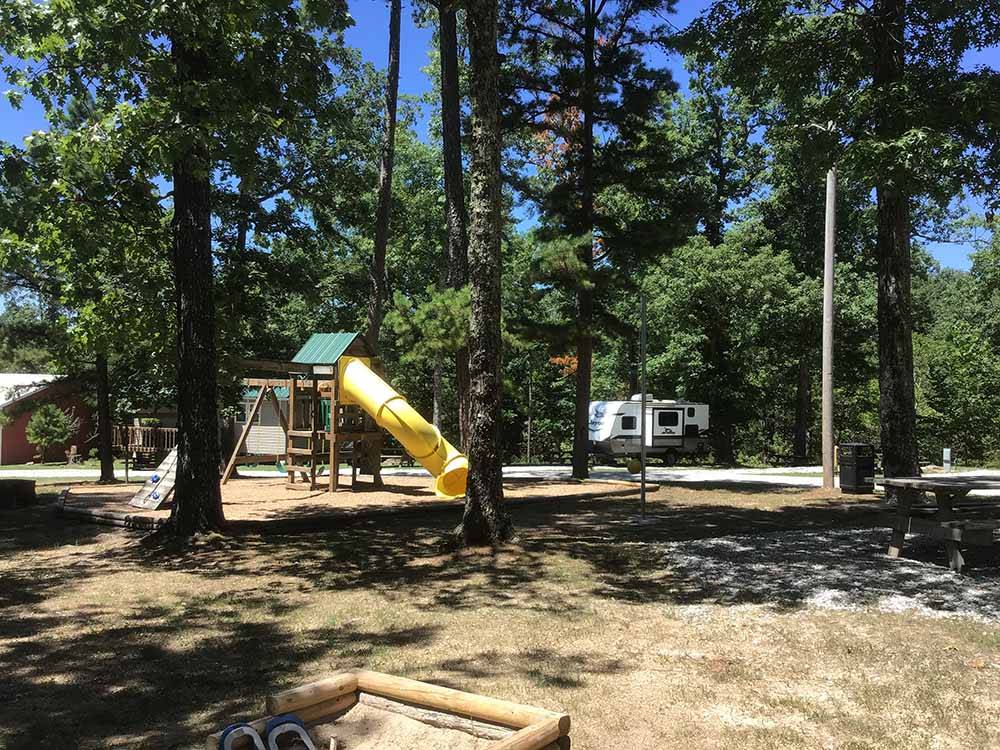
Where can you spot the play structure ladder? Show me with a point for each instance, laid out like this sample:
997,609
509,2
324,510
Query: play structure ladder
158,488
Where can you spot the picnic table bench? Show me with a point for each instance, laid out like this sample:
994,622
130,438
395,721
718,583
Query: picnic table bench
953,518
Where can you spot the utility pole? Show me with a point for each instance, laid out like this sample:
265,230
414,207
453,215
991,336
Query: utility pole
530,407
831,228
642,389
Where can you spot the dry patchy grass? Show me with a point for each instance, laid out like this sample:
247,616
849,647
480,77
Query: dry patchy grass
107,642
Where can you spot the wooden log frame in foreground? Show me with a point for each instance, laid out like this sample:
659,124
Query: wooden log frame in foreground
478,715
426,695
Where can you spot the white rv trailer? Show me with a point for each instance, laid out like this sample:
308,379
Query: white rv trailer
672,427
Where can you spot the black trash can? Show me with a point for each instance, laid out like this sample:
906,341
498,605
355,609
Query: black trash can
857,468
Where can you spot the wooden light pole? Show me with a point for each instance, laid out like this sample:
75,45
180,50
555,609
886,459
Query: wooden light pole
831,228
642,389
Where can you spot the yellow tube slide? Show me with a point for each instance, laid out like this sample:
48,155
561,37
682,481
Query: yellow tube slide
422,440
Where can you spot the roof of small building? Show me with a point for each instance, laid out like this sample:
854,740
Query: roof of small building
250,394
15,386
327,348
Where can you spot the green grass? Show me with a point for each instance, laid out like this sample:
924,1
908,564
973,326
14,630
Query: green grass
90,463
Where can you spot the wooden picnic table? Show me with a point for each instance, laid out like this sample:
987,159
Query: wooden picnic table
952,519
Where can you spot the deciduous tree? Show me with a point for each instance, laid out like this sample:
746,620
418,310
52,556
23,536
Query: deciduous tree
183,78
914,123
383,215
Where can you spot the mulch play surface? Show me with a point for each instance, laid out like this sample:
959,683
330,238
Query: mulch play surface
255,499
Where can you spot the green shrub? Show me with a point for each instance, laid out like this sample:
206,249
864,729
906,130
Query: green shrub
50,426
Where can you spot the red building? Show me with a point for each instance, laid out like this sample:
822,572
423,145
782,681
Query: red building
20,395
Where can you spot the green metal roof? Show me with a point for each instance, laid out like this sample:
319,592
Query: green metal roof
324,348
250,394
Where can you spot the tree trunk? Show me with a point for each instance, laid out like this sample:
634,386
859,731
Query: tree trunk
438,392
634,365
197,499
803,411
897,402
243,223
384,211
454,193
723,431
585,294
722,440
485,520
715,216
105,448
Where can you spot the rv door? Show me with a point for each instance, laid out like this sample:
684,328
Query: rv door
667,429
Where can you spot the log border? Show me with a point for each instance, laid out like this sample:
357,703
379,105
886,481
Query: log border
516,726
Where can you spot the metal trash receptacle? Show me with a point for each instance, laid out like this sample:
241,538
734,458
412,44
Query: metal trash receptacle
857,468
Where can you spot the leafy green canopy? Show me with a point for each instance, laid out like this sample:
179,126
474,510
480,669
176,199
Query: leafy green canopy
267,117
810,64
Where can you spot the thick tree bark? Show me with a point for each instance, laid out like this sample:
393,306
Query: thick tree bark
722,432
485,520
803,411
383,214
438,392
105,448
585,295
244,203
634,365
897,402
454,192
197,499
715,216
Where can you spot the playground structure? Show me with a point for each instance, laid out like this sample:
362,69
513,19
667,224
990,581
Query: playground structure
337,396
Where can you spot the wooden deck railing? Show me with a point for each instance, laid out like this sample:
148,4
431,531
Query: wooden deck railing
135,439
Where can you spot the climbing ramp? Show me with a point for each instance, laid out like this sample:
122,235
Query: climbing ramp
159,487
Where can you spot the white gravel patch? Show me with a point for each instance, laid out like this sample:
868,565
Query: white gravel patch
840,569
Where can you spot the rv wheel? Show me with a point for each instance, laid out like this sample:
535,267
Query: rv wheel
669,458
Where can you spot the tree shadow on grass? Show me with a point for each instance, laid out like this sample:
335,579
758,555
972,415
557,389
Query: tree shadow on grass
544,667
31,533
826,553
160,675
163,677
677,556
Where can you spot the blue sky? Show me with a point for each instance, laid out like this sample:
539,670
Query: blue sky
369,34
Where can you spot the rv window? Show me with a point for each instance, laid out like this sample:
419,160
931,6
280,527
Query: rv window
241,413
668,419
628,423
690,411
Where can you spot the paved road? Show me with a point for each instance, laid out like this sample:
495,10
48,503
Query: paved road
800,476
803,476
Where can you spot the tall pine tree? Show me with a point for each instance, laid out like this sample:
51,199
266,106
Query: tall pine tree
577,83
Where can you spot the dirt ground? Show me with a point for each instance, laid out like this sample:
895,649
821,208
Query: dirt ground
254,499
731,618
366,728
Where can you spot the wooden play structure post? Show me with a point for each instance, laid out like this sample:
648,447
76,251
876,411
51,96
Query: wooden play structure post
266,386
311,442
312,378
244,433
